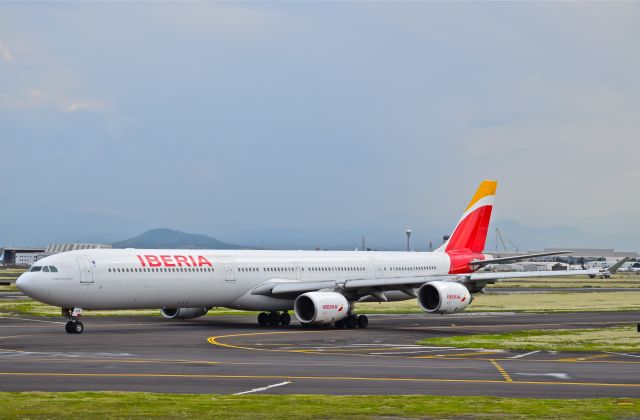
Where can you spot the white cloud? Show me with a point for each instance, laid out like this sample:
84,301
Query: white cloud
6,54
34,98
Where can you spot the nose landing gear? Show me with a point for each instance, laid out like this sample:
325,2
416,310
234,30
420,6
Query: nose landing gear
74,326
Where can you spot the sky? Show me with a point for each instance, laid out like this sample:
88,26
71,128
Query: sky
219,118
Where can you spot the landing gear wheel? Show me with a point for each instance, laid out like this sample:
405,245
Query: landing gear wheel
363,321
352,321
263,319
285,318
340,323
74,327
273,318
79,327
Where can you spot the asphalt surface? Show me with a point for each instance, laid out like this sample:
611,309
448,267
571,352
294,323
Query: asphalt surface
228,355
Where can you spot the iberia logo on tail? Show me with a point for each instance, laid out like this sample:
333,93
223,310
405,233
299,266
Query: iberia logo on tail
468,239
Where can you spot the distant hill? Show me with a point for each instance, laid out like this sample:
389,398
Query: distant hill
168,238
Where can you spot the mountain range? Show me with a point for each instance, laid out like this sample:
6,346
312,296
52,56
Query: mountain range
169,238
516,237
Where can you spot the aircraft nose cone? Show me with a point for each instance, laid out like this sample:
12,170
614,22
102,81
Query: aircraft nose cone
23,283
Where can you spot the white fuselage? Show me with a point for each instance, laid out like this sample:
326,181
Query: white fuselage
138,278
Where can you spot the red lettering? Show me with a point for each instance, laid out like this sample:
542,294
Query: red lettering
153,261
167,260
141,260
180,259
203,261
193,261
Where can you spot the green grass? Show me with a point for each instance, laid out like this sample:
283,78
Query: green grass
616,339
22,307
529,302
112,405
616,281
526,302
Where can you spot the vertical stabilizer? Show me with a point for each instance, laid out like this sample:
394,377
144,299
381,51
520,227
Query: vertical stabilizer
471,231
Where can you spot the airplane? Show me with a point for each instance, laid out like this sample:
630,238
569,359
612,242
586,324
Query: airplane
321,287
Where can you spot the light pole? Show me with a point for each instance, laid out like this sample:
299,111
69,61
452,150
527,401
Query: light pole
408,232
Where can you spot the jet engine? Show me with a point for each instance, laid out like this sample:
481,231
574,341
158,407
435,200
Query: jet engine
321,307
183,313
442,297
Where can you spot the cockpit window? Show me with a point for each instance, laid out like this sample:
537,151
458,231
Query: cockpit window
45,268
36,268
53,269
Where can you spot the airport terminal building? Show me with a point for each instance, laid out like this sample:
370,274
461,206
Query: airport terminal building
24,257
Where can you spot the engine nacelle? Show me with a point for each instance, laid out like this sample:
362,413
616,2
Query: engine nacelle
443,297
321,307
183,313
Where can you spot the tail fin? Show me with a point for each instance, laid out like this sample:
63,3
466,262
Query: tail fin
471,231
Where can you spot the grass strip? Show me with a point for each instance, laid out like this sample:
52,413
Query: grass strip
615,339
526,302
115,405
29,307
529,302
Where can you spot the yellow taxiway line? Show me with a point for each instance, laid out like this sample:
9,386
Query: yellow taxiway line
315,378
503,372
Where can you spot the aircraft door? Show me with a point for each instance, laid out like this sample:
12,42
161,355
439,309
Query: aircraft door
229,269
377,268
86,271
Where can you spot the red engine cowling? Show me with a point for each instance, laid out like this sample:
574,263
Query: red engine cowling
321,307
443,297
183,313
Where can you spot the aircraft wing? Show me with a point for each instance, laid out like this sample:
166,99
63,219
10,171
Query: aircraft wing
287,287
362,287
614,268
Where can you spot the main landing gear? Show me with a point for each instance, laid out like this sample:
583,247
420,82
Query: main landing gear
353,321
272,319
74,326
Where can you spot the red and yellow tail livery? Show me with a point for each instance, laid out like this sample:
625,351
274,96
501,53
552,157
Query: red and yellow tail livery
468,239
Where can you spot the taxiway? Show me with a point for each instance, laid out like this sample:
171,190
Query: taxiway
230,355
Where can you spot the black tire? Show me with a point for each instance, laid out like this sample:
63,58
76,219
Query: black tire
263,319
69,327
78,327
340,324
363,321
285,318
273,318
352,321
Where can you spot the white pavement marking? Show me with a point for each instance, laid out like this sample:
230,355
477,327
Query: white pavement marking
264,388
524,354
553,375
623,354
32,320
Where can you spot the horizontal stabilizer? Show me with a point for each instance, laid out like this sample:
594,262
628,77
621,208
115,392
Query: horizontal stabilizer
530,274
506,260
